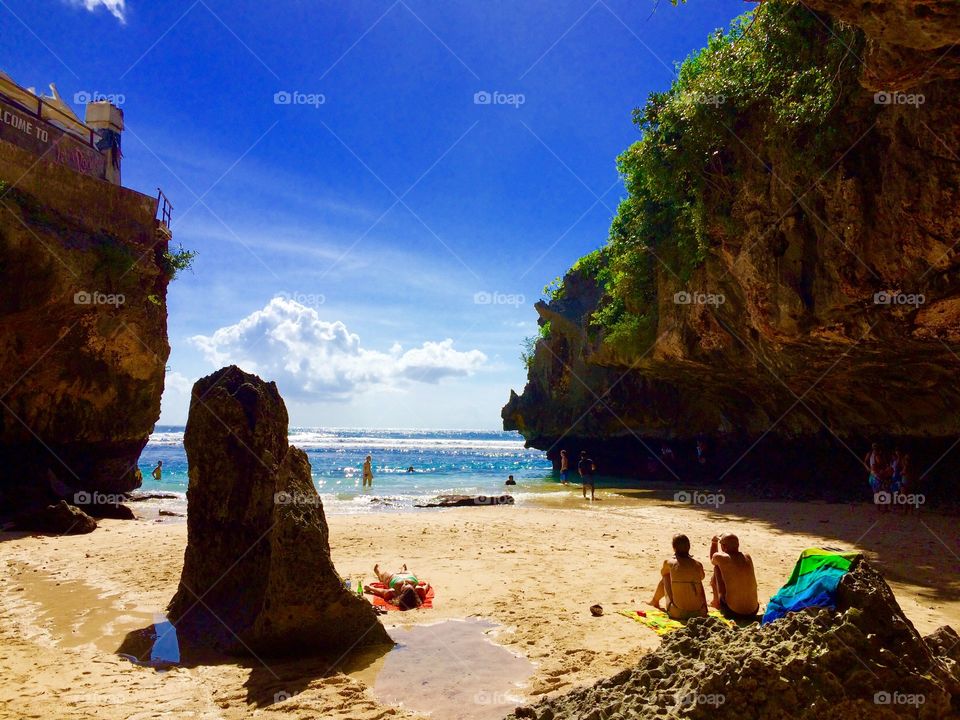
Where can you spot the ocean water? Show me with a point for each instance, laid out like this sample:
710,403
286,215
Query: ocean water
444,461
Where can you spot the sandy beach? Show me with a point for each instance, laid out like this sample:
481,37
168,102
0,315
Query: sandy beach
66,603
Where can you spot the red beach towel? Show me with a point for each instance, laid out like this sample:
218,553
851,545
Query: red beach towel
380,602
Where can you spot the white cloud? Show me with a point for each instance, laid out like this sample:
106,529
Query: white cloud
314,359
117,8
176,398
178,382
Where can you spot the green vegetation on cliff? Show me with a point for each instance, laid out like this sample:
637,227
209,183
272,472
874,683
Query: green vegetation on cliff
781,77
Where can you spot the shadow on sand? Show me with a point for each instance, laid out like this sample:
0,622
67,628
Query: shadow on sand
270,680
915,547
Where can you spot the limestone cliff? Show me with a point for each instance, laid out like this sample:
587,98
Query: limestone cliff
83,339
817,305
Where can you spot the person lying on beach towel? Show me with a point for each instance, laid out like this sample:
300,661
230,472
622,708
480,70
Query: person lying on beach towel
734,582
382,605
681,583
402,589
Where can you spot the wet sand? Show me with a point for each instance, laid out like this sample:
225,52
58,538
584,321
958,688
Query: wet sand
66,604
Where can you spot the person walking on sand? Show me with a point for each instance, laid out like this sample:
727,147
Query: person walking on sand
586,467
368,472
734,581
564,467
681,582
881,474
908,484
158,471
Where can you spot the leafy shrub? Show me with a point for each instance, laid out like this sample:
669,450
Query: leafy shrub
529,345
174,262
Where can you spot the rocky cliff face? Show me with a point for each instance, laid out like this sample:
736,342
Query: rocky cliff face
823,314
83,340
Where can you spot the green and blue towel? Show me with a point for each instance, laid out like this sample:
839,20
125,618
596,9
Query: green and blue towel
813,583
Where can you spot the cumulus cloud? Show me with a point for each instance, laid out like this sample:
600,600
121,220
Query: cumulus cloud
177,382
315,359
117,8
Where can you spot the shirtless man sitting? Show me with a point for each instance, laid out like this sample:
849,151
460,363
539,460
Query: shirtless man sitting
681,583
734,582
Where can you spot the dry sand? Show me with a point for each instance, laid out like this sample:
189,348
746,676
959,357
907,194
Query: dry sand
66,603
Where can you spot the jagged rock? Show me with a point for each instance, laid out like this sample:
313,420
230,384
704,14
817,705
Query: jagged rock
864,660
908,38
59,519
114,511
257,572
469,501
141,496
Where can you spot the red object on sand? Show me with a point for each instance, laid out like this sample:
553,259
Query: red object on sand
380,602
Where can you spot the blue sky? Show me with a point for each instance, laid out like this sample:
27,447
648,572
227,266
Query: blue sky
375,244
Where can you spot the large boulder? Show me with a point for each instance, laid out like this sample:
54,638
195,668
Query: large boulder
59,519
862,660
257,574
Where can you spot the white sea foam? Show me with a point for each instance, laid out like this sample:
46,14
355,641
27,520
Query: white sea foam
410,441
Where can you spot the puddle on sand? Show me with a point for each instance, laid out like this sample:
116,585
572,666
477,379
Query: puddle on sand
73,612
450,669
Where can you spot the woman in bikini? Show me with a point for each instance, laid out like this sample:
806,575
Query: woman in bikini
402,588
681,583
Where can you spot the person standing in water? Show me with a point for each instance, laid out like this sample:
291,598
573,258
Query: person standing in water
564,467
368,472
158,471
586,467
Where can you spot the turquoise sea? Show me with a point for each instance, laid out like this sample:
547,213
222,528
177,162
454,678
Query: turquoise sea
444,461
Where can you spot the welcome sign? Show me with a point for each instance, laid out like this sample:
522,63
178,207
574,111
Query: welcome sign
29,132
